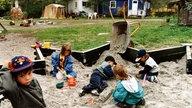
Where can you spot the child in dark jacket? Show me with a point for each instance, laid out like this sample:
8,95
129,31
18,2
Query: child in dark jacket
100,74
19,86
128,92
151,68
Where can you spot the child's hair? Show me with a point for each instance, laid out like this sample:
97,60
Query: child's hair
110,58
146,56
23,72
121,71
64,48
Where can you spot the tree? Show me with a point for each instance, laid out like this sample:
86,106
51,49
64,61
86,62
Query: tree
5,6
16,3
96,4
156,4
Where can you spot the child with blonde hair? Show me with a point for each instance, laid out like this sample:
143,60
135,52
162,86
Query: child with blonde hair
62,61
128,92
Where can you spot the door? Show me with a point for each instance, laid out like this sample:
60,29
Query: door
134,7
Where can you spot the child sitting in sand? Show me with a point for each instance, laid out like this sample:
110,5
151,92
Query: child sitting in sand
62,62
19,85
128,92
100,74
150,66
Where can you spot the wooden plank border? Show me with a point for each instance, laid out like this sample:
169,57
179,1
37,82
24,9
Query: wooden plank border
89,57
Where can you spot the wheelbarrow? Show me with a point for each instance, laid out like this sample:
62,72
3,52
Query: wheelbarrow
121,35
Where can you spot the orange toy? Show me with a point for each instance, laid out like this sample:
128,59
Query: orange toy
71,81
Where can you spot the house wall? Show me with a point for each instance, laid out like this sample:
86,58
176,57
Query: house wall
80,7
54,11
119,4
139,9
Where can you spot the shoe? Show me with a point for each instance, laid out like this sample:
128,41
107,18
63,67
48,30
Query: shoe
95,92
155,79
141,102
82,93
121,105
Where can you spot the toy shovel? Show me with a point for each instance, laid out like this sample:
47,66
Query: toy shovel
143,82
64,73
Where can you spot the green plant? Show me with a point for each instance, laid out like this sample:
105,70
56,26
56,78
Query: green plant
188,5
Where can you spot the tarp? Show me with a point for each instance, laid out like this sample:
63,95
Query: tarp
54,11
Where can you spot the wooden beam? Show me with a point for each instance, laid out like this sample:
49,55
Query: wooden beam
188,51
3,27
39,54
188,59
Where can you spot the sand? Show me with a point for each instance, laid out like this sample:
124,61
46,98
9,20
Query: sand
172,91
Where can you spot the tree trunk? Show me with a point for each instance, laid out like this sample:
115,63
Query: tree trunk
16,3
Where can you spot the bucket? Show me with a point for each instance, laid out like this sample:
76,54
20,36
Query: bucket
71,81
47,44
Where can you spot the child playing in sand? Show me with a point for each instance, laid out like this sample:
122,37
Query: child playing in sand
62,61
100,74
128,92
19,85
150,66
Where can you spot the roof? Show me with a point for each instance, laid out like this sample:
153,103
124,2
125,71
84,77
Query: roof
56,5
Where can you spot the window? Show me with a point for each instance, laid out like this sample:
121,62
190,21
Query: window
84,4
135,1
113,4
53,11
75,4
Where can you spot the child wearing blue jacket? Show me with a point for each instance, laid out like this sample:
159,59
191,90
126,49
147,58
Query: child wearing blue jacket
62,61
99,76
128,92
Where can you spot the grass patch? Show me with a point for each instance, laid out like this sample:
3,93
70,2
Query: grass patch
81,37
83,33
155,35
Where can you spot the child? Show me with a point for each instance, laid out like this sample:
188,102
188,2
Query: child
128,91
19,86
150,66
62,61
100,74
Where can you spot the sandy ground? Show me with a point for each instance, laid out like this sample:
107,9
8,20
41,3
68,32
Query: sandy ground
172,91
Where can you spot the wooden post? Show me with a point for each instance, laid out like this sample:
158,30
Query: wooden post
3,27
189,59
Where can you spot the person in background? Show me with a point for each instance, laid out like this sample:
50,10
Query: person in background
151,68
99,76
19,86
62,61
128,92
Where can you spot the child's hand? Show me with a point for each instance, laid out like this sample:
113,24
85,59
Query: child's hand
58,68
114,87
137,65
137,73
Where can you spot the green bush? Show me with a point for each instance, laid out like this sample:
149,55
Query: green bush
163,14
